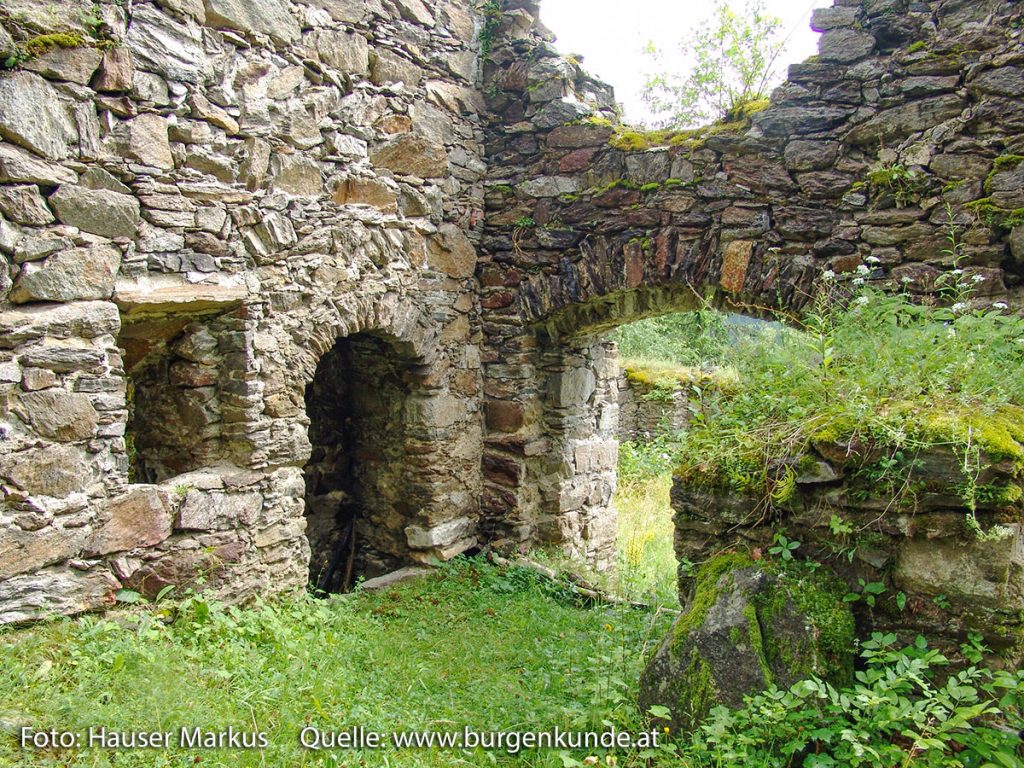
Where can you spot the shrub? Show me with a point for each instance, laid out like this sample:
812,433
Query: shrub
905,709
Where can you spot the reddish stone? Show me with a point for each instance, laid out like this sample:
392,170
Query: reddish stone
617,198
576,136
183,569
503,471
576,161
633,254
844,264
139,518
497,300
184,374
504,415
393,124
735,261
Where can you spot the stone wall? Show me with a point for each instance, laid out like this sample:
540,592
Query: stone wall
903,129
648,408
197,200
200,198
909,532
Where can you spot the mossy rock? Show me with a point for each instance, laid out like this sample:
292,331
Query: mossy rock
749,626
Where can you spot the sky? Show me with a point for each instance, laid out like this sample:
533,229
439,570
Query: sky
611,36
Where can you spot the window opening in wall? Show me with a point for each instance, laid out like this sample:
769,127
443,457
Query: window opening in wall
172,368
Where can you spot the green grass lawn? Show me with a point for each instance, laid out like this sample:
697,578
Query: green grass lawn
497,650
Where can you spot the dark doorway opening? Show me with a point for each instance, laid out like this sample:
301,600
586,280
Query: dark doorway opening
357,479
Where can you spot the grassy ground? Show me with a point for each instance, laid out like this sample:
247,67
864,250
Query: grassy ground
647,563
475,646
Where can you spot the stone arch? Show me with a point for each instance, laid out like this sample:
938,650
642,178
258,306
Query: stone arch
551,453
360,401
590,223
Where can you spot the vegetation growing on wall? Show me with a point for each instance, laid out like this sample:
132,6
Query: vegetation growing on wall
878,370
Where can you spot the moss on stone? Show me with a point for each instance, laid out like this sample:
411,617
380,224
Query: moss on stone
1001,164
630,141
705,592
1007,162
697,690
917,45
37,46
819,595
994,215
756,639
999,434
746,109
647,374
616,184
796,594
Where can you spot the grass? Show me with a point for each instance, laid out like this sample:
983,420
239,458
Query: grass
878,368
646,560
494,649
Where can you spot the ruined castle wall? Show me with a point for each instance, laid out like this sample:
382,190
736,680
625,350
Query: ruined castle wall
903,129
647,410
197,200
200,198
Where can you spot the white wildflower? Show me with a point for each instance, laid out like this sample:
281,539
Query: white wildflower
907,279
858,281
951,332
956,272
977,279
828,274
959,307
873,260
860,301
863,269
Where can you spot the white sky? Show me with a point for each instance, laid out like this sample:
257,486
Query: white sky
611,35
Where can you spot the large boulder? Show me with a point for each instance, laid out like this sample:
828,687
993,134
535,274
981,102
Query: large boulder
748,626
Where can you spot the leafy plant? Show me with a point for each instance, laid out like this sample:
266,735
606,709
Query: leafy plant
492,16
903,184
784,547
905,709
869,592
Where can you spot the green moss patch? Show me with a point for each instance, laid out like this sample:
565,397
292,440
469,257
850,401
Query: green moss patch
794,625
706,591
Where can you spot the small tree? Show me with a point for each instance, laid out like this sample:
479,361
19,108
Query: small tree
734,57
